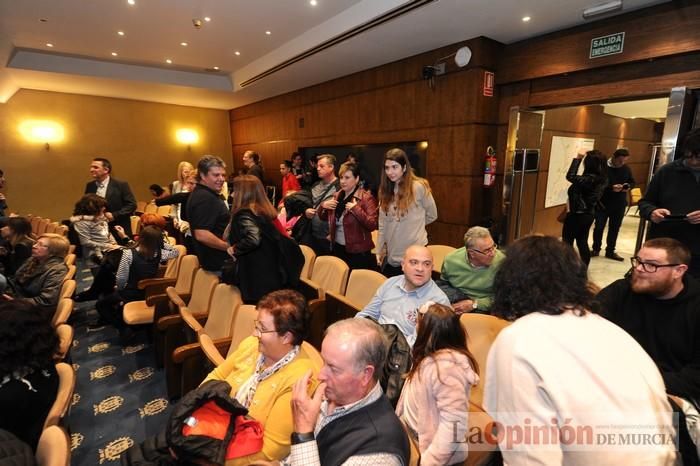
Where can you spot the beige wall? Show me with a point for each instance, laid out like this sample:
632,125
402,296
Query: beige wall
138,138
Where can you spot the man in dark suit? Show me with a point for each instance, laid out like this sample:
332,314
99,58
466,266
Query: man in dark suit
121,202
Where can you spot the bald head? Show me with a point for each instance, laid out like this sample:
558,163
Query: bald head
417,266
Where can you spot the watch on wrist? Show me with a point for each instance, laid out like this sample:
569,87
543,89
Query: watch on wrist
475,304
298,438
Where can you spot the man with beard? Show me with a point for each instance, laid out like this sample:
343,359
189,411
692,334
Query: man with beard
659,306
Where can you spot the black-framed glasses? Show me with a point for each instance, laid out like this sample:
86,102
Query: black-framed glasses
259,330
487,251
648,266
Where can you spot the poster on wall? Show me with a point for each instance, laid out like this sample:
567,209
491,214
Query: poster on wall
563,151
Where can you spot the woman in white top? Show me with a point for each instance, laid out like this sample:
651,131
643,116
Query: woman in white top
564,371
406,206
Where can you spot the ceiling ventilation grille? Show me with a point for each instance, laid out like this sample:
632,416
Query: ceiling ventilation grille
359,29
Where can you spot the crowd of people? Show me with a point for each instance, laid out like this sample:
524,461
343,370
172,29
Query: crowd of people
573,358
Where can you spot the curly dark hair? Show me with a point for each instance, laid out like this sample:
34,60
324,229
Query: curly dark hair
89,204
289,312
541,274
28,341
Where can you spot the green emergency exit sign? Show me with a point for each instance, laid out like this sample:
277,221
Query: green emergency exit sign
607,45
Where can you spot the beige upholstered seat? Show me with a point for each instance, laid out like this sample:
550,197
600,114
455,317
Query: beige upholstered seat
173,265
141,206
482,330
362,285
34,221
329,274
69,259
151,208
42,226
66,385
53,448
67,289
64,308
309,259
224,303
63,231
242,327
135,224
65,340
164,210
439,251
142,312
199,299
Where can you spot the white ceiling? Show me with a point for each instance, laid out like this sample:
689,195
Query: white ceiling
84,34
651,109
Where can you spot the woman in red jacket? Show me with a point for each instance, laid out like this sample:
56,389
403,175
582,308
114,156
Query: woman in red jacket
352,216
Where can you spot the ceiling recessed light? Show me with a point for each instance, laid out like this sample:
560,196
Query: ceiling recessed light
216,68
121,33
168,61
207,19
526,19
313,2
184,44
268,32
114,54
237,52
131,2
49,44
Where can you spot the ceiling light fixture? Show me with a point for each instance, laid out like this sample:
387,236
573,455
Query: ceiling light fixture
237,53
602,8
184,44
216,68
207,19
49,44
313,2
268,32
168,61
121,33
114,54
526,19
131,2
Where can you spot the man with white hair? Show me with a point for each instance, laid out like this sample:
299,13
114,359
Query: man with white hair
468,273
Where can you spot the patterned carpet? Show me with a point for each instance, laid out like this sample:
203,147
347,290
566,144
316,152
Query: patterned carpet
120,398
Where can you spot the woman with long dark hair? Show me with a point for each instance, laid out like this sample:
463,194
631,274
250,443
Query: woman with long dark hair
584,195
434,403
137,263
561,366
406,206
16,246
251,234
351,220
28,378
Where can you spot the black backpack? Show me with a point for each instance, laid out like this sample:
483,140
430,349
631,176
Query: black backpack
290,257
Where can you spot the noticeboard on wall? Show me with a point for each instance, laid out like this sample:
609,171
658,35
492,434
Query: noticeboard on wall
563,151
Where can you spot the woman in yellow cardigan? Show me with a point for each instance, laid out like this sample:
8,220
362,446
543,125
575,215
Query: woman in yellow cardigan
266,365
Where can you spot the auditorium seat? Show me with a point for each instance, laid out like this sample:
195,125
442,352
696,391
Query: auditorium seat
64,308
67,289
65,340
439,252
243,326
309,259
66,385
329,274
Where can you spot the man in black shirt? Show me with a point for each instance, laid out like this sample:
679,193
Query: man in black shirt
614,201
659,306
208,213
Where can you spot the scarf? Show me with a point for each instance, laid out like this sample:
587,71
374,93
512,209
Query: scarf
246,392
342,200
33,268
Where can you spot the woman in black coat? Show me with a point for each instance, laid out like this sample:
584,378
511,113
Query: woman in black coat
584,195
252,235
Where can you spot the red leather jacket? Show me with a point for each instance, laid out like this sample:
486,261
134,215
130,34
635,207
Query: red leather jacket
358,223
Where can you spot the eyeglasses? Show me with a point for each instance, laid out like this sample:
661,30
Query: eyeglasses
487,251
648,266
259,330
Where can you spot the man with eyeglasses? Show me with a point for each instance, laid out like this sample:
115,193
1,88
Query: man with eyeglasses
672,201
659,306
468,273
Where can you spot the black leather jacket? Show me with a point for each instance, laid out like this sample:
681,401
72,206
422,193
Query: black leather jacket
585,190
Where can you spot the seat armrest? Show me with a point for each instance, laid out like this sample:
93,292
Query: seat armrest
194,321
181,353
174,297
156,299
213,349
168,321
146,282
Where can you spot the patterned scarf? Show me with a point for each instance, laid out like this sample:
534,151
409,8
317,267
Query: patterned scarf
246,392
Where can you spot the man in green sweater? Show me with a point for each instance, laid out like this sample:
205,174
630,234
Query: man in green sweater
468,273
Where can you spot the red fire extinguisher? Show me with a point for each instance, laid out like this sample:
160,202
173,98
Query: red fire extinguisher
490,168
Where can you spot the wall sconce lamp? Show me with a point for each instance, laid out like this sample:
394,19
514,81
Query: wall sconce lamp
461,57
45,131
187,136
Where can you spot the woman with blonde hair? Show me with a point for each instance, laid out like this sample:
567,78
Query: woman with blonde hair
252,235
406,206
434,403
184,169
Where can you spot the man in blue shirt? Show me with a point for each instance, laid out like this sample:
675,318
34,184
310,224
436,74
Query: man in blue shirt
398,299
